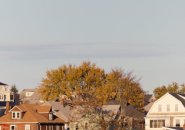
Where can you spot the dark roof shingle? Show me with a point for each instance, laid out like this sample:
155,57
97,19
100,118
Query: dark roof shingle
179,98
2,83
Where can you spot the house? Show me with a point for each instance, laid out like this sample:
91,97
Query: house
111,114
72,117
61,111
133,117
148,106
30,117
7,98
5,93
167,113
172,128
148,102
30,96
148,98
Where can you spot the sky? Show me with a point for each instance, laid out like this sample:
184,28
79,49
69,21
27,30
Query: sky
140,36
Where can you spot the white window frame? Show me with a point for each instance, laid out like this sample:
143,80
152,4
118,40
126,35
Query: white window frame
157,123
177,122
1,97
50,116
27,127
13,126
176,107
16,117
12,96
159,108
168,108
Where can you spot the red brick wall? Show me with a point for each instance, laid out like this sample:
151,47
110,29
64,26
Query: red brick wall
32,127
18,126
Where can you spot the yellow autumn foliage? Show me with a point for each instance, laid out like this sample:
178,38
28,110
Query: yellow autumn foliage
91,83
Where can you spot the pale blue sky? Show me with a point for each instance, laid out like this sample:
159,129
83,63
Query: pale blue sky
146,37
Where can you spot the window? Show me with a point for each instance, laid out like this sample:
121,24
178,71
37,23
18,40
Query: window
50,116
176,107
13,115
157,123
159,108
4,97
65,126
16,115
27,127
177,122
12,127
11,97
1,96
161,123
168,107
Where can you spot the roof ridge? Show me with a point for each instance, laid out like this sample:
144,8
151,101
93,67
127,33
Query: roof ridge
2,83
179,98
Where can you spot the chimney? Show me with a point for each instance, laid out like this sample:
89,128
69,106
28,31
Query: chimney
7,107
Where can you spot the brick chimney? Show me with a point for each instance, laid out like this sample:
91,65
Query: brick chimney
7,107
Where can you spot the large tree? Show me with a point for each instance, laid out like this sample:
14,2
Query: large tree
91,87
71,80
171,88
14,89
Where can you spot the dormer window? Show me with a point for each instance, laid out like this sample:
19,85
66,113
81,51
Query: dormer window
16,115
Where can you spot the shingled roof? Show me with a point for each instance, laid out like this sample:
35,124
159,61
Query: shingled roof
2,83
64,112
31,115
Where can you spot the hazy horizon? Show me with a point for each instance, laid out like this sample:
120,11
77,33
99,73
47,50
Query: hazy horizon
145,37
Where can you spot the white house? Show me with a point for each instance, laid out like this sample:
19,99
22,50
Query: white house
166,112
30,96
5,93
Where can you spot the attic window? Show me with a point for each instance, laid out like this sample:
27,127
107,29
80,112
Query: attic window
176,107
168,107
16,115
159,108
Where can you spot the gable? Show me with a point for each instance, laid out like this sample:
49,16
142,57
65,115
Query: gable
16,108
168,99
